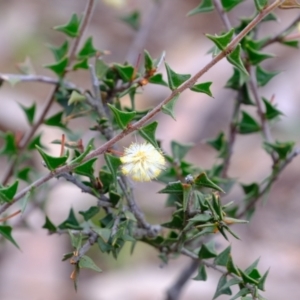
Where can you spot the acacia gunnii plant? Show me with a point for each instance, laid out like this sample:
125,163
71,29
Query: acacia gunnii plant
195,194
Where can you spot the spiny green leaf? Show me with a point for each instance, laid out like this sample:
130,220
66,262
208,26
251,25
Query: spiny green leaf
101,68
204,6
230,4
220,290
179,150
202,88
260,4
255,57
244,95
76,98
36,141
219,143
52,162
168,108
71,28
263,76
61,51
221,41
87,263
293,44
271,111
55,120
5,231
49,225
283,149
133,19
231,267
223,257
23,174
261,283
59,67
157,79
90,213
172,188
125,72
235,59
29,112
148,133
248,124
207,250
175,79
237,80
10,145
71,222
148,61
86,169
123,118
113,164
7,193
247,278
242,292
82,64
88,49
203,181
202,276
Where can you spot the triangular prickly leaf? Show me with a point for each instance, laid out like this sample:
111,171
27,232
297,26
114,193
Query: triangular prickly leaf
207,250
255,57
271,111
248,124
204,6
61,51
10,145
241,293
220,290
24,173
219,142
260,4
252,266
175,79
237,80
203,181
244,95
36,141
122,118
157,79
59,67
133,19
49,225
235,59
251,190
29,112
230,4
55,120
263,76
222,258
71,222
261,283
221,41
52,162
71,28
148,133
148,62
247,279
113,164
168,108
5,231
82,64
101,68
172,188
293,44
88,49
179,150
283,149
7,193
90,213
86,169
201,276
231,267
87,263
202,88
125,72
76,98
290,4
79,158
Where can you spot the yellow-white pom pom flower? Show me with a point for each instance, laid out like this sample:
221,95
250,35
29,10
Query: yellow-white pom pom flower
142,162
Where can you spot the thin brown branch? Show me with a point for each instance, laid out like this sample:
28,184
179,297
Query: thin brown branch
223,15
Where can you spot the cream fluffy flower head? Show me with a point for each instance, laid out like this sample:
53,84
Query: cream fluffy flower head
142,162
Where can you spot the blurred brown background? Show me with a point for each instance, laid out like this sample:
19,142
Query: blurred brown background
37,272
